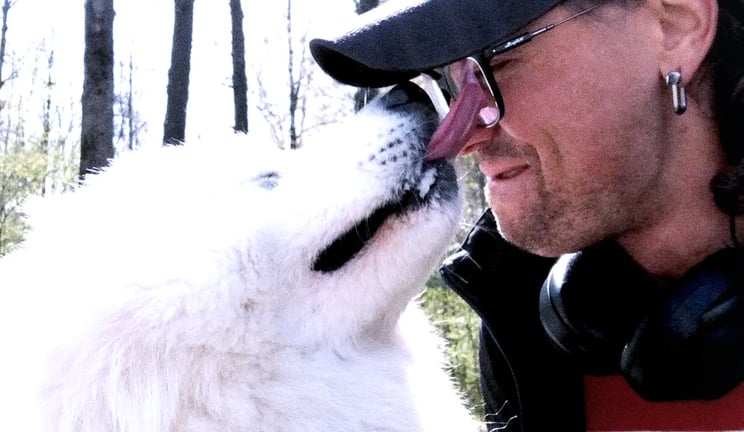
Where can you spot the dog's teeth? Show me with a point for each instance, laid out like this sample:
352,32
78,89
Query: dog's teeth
428,179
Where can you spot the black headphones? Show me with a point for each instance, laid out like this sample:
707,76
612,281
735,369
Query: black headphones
670,343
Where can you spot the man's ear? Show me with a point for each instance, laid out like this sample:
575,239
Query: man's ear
688,28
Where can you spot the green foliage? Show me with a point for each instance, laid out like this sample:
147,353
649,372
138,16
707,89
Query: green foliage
25,171
459,325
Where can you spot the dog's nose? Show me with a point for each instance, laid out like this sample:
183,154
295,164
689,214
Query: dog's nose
406,94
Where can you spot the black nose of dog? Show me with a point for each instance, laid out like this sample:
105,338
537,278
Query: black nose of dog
407,96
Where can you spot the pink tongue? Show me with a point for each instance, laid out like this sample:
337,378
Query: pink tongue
459,123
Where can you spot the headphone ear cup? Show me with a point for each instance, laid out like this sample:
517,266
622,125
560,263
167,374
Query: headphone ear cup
591,303
692,346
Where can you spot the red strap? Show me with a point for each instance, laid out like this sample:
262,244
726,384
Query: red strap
611,405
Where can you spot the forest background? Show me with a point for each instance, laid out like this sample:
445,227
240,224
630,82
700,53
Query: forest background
82,81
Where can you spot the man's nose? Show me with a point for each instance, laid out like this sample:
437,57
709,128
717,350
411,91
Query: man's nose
482,136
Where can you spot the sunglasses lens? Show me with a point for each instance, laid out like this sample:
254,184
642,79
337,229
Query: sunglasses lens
468,71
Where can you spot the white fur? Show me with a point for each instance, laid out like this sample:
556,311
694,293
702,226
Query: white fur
174,292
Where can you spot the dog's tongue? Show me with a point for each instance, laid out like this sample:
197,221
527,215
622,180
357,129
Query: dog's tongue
460,122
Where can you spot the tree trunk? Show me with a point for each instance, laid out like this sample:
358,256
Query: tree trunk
97,146
46,126
240,85
294,84
131,127
3,39
364,95
363,6
174,128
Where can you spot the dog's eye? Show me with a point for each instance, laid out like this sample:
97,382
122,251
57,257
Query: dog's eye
268,180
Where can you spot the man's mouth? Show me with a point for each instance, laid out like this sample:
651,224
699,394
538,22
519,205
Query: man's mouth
510,173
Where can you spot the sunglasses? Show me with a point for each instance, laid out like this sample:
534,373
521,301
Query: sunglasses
477,69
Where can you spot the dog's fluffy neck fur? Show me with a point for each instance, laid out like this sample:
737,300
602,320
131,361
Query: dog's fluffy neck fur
175,293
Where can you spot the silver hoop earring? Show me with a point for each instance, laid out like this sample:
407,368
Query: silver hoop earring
679,101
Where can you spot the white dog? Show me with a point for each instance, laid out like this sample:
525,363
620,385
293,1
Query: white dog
224,287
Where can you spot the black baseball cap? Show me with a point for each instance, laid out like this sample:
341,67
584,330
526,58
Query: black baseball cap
402,38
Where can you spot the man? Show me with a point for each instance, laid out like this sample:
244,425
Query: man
613,140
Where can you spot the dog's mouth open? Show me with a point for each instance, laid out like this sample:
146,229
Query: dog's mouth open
441,186
437,182
345,247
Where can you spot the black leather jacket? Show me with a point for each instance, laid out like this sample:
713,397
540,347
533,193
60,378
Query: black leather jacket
528,386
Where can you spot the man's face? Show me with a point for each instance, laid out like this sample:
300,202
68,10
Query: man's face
579,155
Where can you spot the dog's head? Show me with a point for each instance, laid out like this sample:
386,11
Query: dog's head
371,223
220,240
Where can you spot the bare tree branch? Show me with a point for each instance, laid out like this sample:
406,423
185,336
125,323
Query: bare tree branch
7,4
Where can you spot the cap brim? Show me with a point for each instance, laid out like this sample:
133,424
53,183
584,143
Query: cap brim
400,39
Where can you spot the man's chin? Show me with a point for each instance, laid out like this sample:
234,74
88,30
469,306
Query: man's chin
531,238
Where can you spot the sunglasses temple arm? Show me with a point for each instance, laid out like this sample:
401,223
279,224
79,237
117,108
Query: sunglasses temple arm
526,37
517,41
432,89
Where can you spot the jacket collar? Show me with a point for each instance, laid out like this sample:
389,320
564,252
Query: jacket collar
486,267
